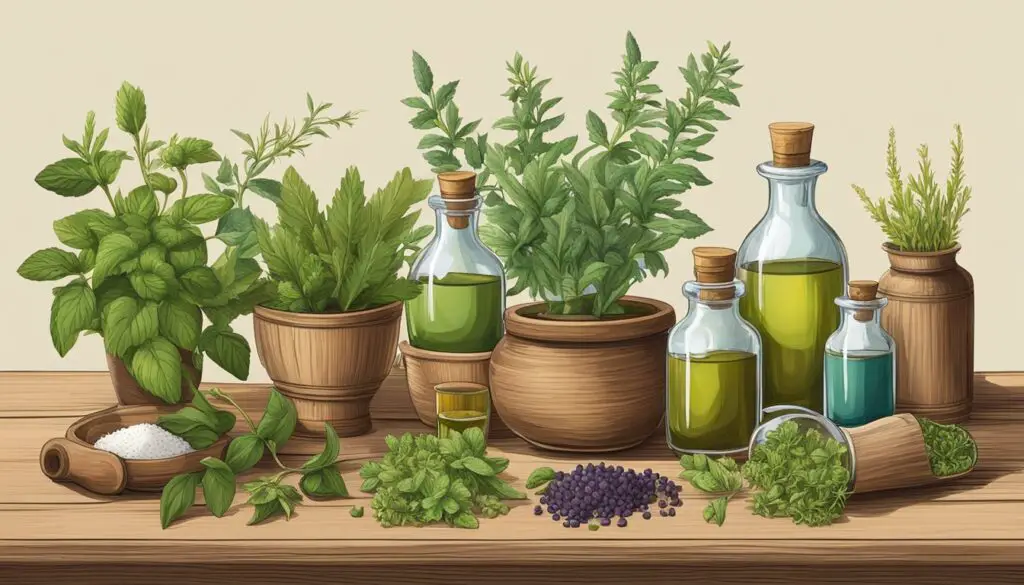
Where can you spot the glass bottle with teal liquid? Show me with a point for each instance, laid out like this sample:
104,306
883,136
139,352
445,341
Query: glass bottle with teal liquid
794,267
860,360
463,301
713,394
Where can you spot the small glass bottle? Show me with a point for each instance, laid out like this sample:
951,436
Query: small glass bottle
463,301
860,360
713,395
794,267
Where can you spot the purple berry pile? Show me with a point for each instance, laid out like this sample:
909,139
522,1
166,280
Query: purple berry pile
597,494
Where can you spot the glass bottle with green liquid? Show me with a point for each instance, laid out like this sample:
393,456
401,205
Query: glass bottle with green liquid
463,301
713,394
794,267
860,360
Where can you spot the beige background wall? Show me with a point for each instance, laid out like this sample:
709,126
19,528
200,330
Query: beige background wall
851,68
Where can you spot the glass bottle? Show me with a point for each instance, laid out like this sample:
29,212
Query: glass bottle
794,267
463,301
713,393
860,364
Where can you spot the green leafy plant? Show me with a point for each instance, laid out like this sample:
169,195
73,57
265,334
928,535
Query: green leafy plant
799,474
140,277
320,477
425,480
269,145
200,424
713,476
951,449
347,258
577,228
918,216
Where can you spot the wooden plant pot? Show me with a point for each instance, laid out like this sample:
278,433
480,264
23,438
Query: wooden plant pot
582,386
329,365
930,315
425,369
129,393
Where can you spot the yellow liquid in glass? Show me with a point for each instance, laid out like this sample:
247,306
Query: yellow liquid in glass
712,401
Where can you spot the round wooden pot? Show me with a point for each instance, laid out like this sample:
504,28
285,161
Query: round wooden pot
329,365
129,393
425,369
930,315
582,385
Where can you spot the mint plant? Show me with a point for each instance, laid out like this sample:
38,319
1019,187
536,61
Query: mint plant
139,276
578,227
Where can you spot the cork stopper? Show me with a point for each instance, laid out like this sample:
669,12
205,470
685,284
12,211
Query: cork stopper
458,189
713,265
863,290
791,143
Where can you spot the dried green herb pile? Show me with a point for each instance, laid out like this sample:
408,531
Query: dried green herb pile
425,480
951,450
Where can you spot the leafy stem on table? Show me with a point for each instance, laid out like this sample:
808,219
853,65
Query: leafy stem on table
713,476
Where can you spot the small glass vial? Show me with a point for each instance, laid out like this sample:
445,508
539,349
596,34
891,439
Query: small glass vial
463,301
860,360
713,396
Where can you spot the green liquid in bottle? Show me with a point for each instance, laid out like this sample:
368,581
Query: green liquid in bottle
459,313
859,389
712,401
791,303
460,420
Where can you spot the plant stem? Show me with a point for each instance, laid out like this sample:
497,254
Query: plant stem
217,393
184,182
282,465
106,191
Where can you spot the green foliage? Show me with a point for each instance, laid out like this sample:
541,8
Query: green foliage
272,143
579,227
139,277
320,477
799,474
346,258
713,476
918,216
424,480
951,449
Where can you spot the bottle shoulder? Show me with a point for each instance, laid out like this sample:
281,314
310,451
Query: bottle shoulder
696,335
784,238
439,258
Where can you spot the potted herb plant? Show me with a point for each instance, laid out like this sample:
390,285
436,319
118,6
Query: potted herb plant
140,277
584,368
930,313
328,337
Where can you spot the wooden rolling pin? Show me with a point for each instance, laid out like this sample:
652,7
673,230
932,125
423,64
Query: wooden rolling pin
97,471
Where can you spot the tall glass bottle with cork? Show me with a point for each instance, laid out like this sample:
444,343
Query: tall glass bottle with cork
460,309
860,364
713,396
794,267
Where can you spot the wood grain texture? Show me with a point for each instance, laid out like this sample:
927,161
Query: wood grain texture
129,392
889,454
930,315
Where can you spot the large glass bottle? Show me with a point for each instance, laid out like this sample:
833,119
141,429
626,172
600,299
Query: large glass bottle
860,364
463,301
794,267
713,395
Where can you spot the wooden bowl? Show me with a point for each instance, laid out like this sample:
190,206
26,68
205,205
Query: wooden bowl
73,457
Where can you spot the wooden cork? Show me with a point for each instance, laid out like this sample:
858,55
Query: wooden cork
863,290
458,189
791,143
713,265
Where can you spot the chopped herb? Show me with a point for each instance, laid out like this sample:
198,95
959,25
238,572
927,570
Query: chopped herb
951,450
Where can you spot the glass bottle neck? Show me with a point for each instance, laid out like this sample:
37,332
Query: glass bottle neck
456,222
791,190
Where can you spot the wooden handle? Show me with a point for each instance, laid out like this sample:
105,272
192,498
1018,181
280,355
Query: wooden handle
97,471
889,453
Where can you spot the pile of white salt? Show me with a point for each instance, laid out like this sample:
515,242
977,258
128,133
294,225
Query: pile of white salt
143,441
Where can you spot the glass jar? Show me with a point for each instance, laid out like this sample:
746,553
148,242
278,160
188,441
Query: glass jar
713,393
794,267
860,364
463,301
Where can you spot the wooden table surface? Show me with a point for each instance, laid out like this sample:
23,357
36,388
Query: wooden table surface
970,531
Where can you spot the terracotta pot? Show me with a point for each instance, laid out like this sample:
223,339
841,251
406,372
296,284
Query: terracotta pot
582,386
129,393
930,315
425,369
329,365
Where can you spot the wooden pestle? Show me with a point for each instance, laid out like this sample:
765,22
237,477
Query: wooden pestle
713,265
97,471
791,143
458,189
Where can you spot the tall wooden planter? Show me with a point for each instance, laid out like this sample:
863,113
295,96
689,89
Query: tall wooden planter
931,316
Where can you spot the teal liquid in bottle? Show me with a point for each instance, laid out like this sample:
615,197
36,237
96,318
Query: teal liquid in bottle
859,388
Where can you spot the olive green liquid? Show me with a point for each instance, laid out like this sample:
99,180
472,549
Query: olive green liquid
458,313
460,420
712,401
791,303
